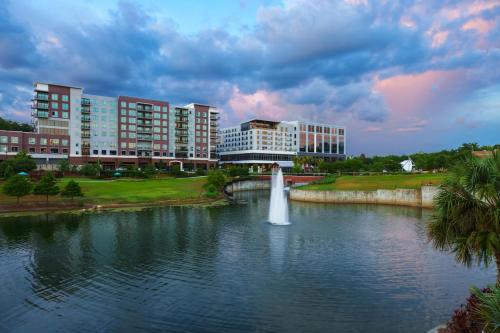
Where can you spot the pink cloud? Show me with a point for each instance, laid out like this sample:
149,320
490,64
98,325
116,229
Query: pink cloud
409,94
262,103
479,24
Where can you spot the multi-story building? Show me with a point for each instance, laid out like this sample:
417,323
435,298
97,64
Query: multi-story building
263,142
114,130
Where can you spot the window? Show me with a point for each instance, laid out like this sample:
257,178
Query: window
123,104
3,148
55,114
65,106
132,113
64,142
123,127
95,151
14,149
131,105
54,151
55,105
132,153
32,141
43,141
65,115
131,120
55,97
156,129
156,146
157,115
112,152
123,119
43,150
156,107
3,139
131,127
124,152
164,108
65,150
54,142
14,139
123,112
65,98
131,145
123,145
131,135
164,116
32,150
103,152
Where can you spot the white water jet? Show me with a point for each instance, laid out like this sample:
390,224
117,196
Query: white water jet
278,206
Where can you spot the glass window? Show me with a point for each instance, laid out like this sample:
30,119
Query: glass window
43,141
3,148
131,120
64,142
55,97
164,116
123,112
14,139
54,142
123,119
65,106
123,104
132,113
164,109
131,105
32,141
156,107
157,115
131,127
131,135
55,105
65,115
123,145
55,114
156,129
131,145
65,98
123,127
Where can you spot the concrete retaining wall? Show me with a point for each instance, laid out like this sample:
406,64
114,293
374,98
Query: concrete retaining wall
248,185
404,197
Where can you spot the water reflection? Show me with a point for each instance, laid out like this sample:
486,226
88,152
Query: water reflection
226,270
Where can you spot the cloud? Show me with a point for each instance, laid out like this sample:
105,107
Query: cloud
376,67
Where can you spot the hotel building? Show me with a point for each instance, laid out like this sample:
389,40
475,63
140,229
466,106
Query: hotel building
116,131
264,142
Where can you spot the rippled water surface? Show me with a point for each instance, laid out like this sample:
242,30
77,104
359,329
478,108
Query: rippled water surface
337,268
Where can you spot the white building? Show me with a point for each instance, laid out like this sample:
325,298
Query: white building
264,142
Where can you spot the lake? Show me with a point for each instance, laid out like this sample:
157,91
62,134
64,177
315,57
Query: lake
336,268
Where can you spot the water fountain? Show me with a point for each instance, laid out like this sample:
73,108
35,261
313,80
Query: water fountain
278,206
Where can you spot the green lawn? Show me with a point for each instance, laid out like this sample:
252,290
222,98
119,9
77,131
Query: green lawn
128,190
371,183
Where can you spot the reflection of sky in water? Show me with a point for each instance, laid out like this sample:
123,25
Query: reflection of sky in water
344,268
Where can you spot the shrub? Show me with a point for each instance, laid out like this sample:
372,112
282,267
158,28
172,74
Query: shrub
465,318
90,170
211,191
216,178
330,179
238,172
22,162
72,190
177,172
200,172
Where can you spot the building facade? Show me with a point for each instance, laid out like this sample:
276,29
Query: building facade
114,131
263,142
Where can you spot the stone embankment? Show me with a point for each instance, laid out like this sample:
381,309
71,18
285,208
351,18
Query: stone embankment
422,197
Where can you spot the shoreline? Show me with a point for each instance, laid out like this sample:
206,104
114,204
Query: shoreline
27,210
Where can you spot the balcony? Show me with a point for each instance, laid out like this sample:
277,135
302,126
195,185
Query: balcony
85,101
85,109
180,141
40,114
144,130
182,120
85,135
85,126
144,115
41,97
85,145
144,137
40,105
85,118
142,107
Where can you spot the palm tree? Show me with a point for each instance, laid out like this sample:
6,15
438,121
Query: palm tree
467,213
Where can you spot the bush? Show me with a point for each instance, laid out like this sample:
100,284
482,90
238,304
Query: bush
22,162
90,170
238,172
72,190
47,186
211,191
466,318
200,172
216,178
177,172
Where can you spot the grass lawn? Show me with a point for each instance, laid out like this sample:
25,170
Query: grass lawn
371,183
127,190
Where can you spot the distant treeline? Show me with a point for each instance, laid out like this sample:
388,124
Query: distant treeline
10,125
441,160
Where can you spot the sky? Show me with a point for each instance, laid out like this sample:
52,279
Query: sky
401,76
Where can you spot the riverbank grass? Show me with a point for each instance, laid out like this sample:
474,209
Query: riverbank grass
125,190
375,182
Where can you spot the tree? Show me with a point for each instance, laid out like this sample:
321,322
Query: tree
64,166
72,190
467,214
22,162
47,186
10,125
17,186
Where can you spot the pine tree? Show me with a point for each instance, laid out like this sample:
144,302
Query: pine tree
47,186
17,186
72,190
